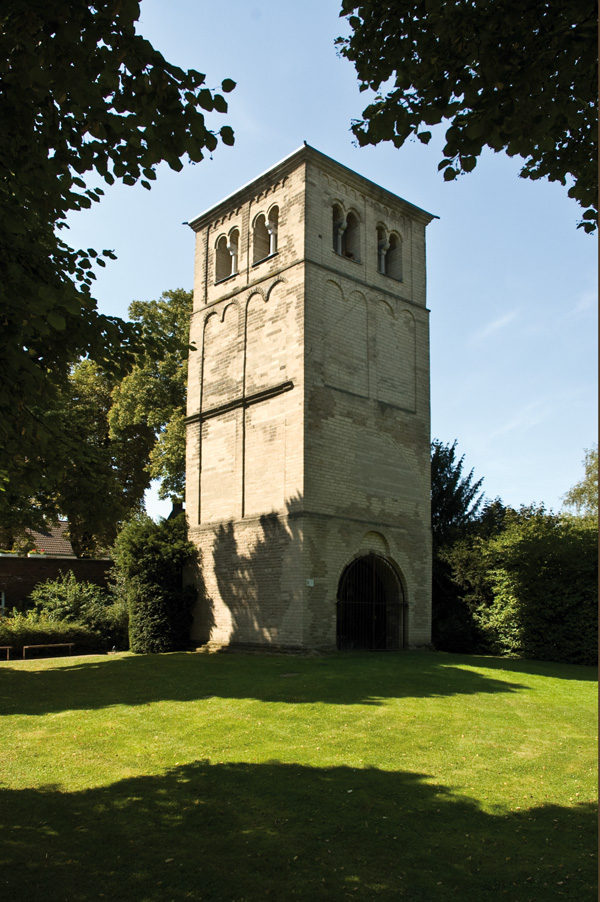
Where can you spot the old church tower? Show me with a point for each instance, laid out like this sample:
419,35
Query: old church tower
308,441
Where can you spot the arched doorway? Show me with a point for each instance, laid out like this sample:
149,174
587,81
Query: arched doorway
370,606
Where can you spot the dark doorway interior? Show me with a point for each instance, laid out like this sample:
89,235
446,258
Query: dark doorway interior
370,606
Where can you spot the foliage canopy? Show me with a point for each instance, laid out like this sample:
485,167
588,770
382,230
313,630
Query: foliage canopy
80,93
531,588
514,75
111,437
583,496
152,397
85,460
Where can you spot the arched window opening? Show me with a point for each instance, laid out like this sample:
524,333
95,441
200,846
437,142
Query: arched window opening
371,609
382,249
260,239
339,227
272,227
264,239
393,258
222,260
226,256
233,248
351,248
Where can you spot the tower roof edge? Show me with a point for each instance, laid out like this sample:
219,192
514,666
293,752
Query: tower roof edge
302,154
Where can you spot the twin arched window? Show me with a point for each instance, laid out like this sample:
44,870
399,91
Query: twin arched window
346,243
264,244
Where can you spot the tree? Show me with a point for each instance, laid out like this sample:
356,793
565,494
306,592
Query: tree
92,476
80,93
152,397
99,464
455,499
515,75
525,587
583,496
111,436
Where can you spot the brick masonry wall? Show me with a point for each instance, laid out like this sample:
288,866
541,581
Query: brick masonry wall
19,575
252,574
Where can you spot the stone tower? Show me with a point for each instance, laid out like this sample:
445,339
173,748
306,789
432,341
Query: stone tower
308,441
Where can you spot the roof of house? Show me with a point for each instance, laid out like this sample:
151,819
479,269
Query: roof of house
53,540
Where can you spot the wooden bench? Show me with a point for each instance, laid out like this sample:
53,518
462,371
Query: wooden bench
68,645
7,649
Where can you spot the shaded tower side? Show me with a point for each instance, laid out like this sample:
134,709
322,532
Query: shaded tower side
367,533
245,414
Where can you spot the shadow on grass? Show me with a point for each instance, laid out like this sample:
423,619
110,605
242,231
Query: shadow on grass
276,831
337,679
579,672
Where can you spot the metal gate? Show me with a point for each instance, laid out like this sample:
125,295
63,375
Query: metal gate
370,607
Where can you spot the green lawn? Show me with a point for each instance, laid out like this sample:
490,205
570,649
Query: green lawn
419,775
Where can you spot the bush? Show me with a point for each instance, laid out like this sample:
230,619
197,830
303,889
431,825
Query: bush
149,561
65,600
19,629
528,589
543,570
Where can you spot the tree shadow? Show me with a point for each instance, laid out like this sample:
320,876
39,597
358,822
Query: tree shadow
579,672
251,832
203,614
246,581
336,679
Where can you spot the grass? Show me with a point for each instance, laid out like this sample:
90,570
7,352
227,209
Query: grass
418,776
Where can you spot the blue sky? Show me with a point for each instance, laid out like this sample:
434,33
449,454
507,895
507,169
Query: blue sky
511,281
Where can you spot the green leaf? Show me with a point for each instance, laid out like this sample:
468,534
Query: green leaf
227,85
56,321
219,103
205,99
227,136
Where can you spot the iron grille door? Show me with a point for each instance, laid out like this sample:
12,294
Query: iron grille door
370,606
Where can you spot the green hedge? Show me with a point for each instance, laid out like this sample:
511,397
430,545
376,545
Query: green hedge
18,630
149,561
